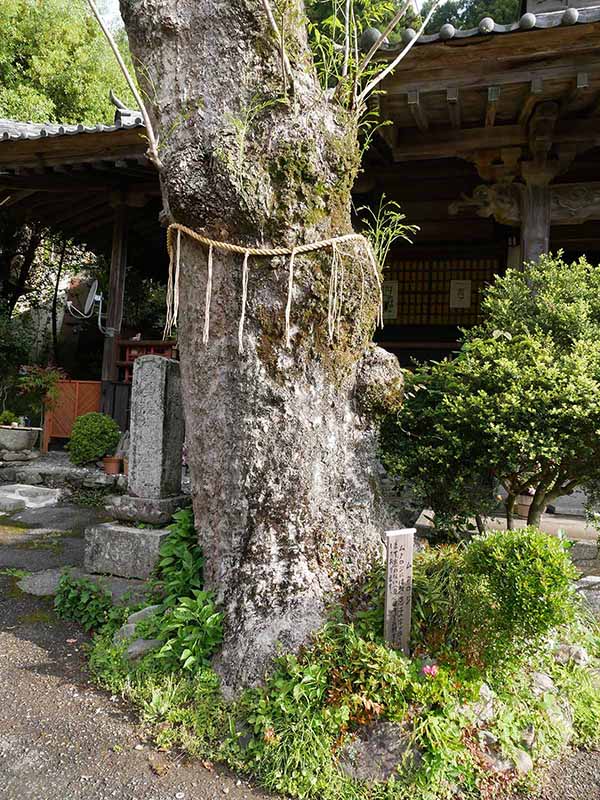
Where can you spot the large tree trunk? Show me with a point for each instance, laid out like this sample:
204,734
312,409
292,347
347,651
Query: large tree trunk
286,488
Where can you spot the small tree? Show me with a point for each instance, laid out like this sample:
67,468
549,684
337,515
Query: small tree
519,405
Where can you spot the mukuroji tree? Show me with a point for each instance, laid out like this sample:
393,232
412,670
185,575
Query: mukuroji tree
255,151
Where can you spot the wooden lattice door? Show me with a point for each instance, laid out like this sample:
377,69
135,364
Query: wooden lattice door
74,399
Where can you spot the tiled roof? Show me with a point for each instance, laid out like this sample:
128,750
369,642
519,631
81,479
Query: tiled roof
12,130
487,26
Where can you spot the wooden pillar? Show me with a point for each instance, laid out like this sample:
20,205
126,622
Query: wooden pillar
116,294
536,205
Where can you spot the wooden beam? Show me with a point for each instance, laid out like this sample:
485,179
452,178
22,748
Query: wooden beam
579,85
453,99
493,95
536,91
116,294
458,144
417,110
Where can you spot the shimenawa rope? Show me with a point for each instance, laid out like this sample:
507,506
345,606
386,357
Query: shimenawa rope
335,283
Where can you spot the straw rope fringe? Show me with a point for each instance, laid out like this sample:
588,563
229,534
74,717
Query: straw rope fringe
336,280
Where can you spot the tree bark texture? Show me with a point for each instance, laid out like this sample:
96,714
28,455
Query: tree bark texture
286,482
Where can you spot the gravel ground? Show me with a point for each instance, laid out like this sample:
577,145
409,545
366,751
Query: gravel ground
61,738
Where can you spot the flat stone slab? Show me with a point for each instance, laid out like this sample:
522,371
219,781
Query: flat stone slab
155,511
26,496
63,517
113,549
54,469
46,582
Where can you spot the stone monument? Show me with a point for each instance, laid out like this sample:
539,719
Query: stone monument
398,588
154,484
156,444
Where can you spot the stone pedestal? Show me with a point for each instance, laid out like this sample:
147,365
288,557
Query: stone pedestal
118,550
156,444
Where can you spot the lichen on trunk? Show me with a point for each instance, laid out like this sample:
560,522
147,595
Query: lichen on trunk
283,464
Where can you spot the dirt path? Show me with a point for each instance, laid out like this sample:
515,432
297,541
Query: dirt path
62,739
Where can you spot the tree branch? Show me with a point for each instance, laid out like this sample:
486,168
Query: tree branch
273,22
152,140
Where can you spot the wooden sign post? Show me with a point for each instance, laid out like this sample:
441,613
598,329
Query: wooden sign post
398,588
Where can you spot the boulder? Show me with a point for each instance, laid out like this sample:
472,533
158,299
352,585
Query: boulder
140,647
378,751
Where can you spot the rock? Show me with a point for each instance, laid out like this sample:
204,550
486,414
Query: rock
542,683
32,478
124,633
140,647
30,496
571,653
8,475
100,481
584,552
483,710
6,455
523,762
10,504
528,737
561,716
589,590
487,739
377,752
119,550
143,613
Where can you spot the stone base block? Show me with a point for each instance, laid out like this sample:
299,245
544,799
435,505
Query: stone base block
112,549
146,509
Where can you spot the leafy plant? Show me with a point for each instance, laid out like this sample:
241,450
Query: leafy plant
93,436
179,570
82,601
7,417
193,631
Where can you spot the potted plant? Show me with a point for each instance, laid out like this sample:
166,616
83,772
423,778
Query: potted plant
95,436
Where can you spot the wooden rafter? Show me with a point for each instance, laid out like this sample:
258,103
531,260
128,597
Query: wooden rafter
493,95
453,99
417,110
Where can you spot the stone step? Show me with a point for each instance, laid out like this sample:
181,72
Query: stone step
123,592
19,496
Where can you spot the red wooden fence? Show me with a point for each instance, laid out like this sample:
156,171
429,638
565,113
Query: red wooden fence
74,399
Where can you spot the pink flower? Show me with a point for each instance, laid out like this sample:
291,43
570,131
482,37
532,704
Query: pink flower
430,670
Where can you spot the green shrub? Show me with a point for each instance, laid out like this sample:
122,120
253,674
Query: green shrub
524,579
519,405
93,436
82,601
7,417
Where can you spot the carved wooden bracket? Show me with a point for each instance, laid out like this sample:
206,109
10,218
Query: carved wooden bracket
570,203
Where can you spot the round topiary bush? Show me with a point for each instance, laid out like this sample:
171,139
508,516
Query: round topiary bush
93,436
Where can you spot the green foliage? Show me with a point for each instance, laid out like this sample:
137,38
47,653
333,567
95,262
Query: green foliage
7,417
384,226
466,14
82,601
55,64
93,436
519,405
179,570
193,630
40,386
523,582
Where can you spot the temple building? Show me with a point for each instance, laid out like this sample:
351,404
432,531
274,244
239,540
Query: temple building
492,148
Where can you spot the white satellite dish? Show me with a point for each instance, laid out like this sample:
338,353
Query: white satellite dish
93,298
